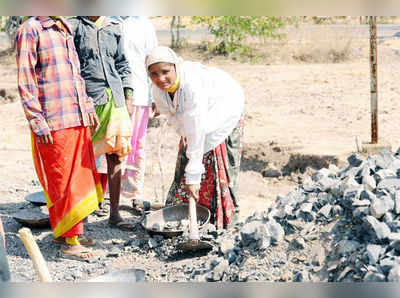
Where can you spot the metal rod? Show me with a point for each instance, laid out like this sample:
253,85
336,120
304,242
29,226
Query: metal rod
374,80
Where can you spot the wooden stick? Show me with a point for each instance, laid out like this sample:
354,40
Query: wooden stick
34,253
194,229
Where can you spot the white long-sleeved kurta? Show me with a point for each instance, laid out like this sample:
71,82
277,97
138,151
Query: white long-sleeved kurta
210,104
139,39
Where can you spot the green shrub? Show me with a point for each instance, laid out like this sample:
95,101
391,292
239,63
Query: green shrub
231,32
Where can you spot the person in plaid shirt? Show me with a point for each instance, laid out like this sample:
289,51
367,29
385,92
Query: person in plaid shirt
60,115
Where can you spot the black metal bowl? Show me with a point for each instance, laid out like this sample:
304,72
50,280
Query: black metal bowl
155,221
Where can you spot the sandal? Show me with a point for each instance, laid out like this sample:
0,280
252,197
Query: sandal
79,253
101,212
85,241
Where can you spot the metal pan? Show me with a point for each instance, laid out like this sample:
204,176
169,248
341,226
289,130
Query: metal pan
33,217
155,221
36,198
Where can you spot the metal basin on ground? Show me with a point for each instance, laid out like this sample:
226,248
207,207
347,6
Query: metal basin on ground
155,222
37,217
36,198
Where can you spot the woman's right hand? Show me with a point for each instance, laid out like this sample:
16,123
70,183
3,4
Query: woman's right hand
193,190
45,139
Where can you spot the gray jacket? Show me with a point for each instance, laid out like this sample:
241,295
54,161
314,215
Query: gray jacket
103,62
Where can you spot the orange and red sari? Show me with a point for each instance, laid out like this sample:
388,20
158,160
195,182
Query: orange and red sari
67,172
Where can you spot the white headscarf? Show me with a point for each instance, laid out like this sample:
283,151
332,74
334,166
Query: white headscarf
161,54
167,55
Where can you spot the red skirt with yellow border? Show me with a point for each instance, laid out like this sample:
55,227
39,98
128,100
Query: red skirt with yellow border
71,184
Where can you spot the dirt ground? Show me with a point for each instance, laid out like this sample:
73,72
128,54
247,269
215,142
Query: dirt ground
299,115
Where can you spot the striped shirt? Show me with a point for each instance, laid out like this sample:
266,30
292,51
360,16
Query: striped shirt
51,88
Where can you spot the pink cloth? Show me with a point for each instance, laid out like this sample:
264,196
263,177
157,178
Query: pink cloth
133,178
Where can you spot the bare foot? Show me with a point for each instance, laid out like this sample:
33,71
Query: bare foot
115,219
119,223
79,252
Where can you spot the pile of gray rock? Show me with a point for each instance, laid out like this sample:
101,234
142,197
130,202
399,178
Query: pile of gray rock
338,225
356,211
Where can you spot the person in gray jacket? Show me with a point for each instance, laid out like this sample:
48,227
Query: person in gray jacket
108,78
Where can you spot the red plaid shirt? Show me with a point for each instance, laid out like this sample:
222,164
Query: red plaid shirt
52,90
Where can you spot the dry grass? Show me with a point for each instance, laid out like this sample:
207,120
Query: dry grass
334,51
282,52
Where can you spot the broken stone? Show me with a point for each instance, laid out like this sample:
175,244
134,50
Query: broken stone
355,160
361,203
379,208
288,210
220,269
394,274
369,183
309,185
345,247
348,183
394,236
387,264
326,184
361,212
397,202
226,245
384,159
153,243
333,169
388,217
318,253
211,230
337,210
253,231
395,166
374,252
320,174
389,183
326,210
367,195
276,231
372,276
263,243
375,228
384,174
350,195
343,274
275,213
301,276
298,243
306,207
231,256
305,216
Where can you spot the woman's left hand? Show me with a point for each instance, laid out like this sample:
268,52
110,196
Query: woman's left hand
193,190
